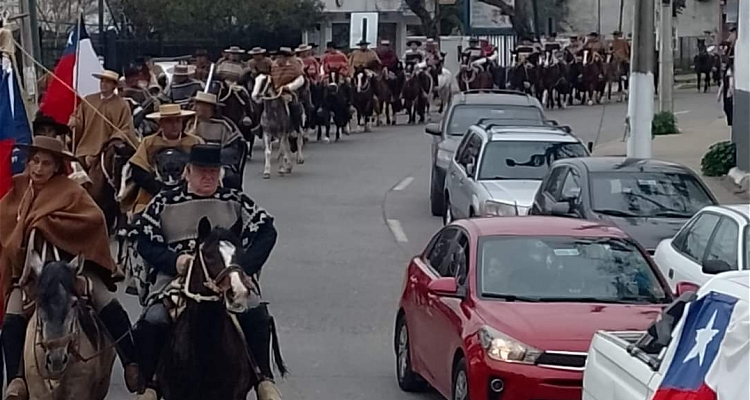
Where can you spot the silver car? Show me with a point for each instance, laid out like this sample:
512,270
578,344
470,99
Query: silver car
497,170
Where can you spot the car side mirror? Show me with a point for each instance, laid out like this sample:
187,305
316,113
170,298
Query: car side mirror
713,267
590,146
561,208
433,129
445,287
685,287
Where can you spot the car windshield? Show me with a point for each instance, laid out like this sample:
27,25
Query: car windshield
566,269
528,160
648,194
467,115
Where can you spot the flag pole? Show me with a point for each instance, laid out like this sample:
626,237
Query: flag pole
75,79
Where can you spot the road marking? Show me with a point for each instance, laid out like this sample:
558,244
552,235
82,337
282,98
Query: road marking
403,184
397,230
682,112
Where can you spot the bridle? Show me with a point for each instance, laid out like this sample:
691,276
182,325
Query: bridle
212,284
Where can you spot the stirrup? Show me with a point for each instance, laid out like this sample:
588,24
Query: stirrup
17,390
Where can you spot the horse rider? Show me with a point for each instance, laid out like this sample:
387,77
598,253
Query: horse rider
287,78
47,126
364,57
141,100
155,72
310,66
220,131
432,53
525,49
335,60
258,63
43,204
99,118
167,232
388,57
594,45
472,53
202,65
143,164
414,55
183,87
620,48
574,47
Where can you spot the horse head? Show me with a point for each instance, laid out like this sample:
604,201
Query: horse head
170,164
217,269
362,81
58,311
113,159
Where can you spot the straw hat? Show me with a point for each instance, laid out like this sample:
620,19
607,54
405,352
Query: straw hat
48,145
182,70
107,74
285,51
234,50
256,50
170,111
303,48
208,98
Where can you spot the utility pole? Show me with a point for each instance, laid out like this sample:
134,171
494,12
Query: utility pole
641,99
666,57
102,38
28,29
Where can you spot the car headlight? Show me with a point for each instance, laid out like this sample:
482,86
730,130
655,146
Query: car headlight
497,209
502,347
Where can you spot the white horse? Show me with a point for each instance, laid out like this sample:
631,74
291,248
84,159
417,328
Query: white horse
444,88
276,122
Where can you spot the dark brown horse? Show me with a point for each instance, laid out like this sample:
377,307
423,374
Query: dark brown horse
473,77
414,93
364,100
106,179
237,106
206,356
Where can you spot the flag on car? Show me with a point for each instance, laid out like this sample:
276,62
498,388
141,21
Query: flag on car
74,70
14,125
712,355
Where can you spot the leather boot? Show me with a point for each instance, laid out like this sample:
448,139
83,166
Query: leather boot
17,390
12,341
267,390
150,339
255,325
117,322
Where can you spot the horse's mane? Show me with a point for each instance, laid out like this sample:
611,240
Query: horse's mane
55,285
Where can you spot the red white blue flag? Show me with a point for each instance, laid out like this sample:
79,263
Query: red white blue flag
712,355
74,70
14,125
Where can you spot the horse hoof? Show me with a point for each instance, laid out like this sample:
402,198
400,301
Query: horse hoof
591,103
300,161
266,175
326,140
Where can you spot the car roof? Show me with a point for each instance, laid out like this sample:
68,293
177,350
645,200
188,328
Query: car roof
530,133
540,226
505,98
739,210
624,164
743,209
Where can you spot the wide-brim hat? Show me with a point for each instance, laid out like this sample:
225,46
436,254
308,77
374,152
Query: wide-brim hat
594,34
285,51
617,33
108,75
303,48
182,70
363,43
41,121
170,111
256,50
208,98
430,41
48,145
331,45
417,42
234,50
205,155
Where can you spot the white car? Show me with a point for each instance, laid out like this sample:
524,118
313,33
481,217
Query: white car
716,239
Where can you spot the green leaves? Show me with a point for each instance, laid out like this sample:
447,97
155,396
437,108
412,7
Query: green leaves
720,158
664,123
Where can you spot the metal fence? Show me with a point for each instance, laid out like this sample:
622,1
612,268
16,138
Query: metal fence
505,45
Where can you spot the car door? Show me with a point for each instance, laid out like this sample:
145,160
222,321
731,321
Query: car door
455,171
445,315
690,244
724,244
549,190
419,318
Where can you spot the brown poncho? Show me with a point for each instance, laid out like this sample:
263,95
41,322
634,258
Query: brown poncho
64,214
285,72
92,131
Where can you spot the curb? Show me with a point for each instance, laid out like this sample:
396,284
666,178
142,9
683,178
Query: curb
740,178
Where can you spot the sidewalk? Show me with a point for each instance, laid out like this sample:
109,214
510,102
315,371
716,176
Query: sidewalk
687,148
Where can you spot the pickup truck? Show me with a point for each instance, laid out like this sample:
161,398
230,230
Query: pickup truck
633,365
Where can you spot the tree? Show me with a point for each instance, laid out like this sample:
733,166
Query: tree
519,12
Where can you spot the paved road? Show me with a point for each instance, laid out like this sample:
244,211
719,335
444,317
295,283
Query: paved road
334,278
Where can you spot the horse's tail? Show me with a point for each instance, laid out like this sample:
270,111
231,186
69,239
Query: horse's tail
277,358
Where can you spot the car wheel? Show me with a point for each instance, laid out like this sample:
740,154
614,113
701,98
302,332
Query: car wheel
436,197
448,213
460,389
408,380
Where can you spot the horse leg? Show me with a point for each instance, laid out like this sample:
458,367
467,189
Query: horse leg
707,83
267,152
285,166
698,73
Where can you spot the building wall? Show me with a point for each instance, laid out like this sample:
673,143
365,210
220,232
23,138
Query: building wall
582,16
741,125
362,5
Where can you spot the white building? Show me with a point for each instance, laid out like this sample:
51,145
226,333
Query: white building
394,20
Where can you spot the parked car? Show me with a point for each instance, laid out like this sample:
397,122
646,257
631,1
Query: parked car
715,240
649,199
496,170
679,353
503,106
505,308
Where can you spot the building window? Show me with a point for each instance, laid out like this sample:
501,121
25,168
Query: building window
340,35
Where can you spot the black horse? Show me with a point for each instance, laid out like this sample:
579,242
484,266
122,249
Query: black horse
704,64
364,97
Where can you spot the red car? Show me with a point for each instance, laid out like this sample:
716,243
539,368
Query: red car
505,308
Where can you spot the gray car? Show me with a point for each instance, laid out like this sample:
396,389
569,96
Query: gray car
497,170
503,107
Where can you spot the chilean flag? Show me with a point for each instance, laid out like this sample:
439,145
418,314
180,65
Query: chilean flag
75,68
14,126
713,353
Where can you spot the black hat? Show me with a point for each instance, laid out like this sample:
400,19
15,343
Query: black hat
205,155
594,34
331,45
42,121
363,42
474,40
417,42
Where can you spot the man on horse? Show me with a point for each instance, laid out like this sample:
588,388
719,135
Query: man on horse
100,118
574,47
387,55
620,48
167,232
259,63
182,87
414,54
310,65
45,209
525,49
202,65
594,45
335,60
473,52
364,57
220,131
432,53
287,77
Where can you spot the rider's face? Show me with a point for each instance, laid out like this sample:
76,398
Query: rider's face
171,127
42,166
204,110
107,86
203,181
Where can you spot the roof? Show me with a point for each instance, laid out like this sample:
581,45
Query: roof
540,226
509,98
530,133
623,164
743,209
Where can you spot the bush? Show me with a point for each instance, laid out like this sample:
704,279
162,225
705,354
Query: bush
720,158
664,123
